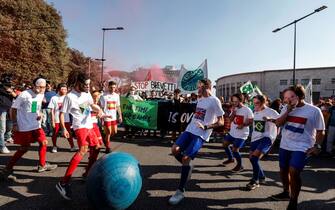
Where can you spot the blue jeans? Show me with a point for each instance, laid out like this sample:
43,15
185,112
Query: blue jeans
2,128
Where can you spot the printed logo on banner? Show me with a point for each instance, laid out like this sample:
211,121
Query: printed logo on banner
190,79
200,114
259,126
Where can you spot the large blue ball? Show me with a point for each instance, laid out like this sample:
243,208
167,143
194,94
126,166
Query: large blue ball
114,181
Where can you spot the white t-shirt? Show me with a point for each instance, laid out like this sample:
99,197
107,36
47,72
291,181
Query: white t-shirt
56,103
28,105
79,106
299,131
109,103
263,128
242,116
207,111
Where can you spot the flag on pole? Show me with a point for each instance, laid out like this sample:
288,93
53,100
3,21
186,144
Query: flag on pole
247,88
188,79
309,93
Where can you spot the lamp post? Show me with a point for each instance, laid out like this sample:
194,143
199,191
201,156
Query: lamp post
103,47
295,34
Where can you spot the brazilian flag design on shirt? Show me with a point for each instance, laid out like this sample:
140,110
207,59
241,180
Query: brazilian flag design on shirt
259,126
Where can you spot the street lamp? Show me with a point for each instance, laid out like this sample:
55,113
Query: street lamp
103,46
295,34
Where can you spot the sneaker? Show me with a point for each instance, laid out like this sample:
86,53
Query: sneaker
10,140
283,196
4,150
292,205
74,149
176,198
54,150
237,169
262,180
64,190
227,162
252,185
46,167
7,175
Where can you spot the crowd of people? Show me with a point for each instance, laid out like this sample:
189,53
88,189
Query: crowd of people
33,112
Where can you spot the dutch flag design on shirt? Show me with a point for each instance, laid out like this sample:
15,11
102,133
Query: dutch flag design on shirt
296,124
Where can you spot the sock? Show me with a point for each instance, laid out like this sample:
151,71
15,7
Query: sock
18,154
255,167
238,158
55,134
72,166
42,153
178,157
228,152
94,153
183,179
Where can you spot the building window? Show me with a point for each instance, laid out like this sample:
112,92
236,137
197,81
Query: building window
239,84
316,81
254,83
333,80
223,90
232,88
304,82
283,82
296,81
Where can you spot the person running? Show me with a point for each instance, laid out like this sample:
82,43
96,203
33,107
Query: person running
79,104
26,116
263,135
208,115
302,136
241,118
110,103
55,106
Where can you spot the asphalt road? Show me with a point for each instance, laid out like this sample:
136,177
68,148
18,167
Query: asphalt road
212,186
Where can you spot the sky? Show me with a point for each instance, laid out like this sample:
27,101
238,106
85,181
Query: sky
234,35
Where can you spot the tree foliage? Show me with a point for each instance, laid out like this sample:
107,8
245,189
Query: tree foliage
29,47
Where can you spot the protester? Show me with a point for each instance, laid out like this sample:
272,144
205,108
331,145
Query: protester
26,116
302,135
241,118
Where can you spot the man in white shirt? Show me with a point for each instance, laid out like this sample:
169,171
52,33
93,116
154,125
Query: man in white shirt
110,103
26,116
208,115
241,118
79,104
55,105
263,135
302,136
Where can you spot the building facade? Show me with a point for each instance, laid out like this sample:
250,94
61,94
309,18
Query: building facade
273,82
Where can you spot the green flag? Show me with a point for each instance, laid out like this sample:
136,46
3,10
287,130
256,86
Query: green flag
141,114
247,88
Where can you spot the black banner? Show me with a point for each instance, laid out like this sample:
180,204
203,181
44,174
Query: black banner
174,116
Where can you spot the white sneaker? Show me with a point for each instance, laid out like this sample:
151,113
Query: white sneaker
176,198
54,149
74,149
10,140
4,150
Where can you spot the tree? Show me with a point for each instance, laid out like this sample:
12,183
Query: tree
28,53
